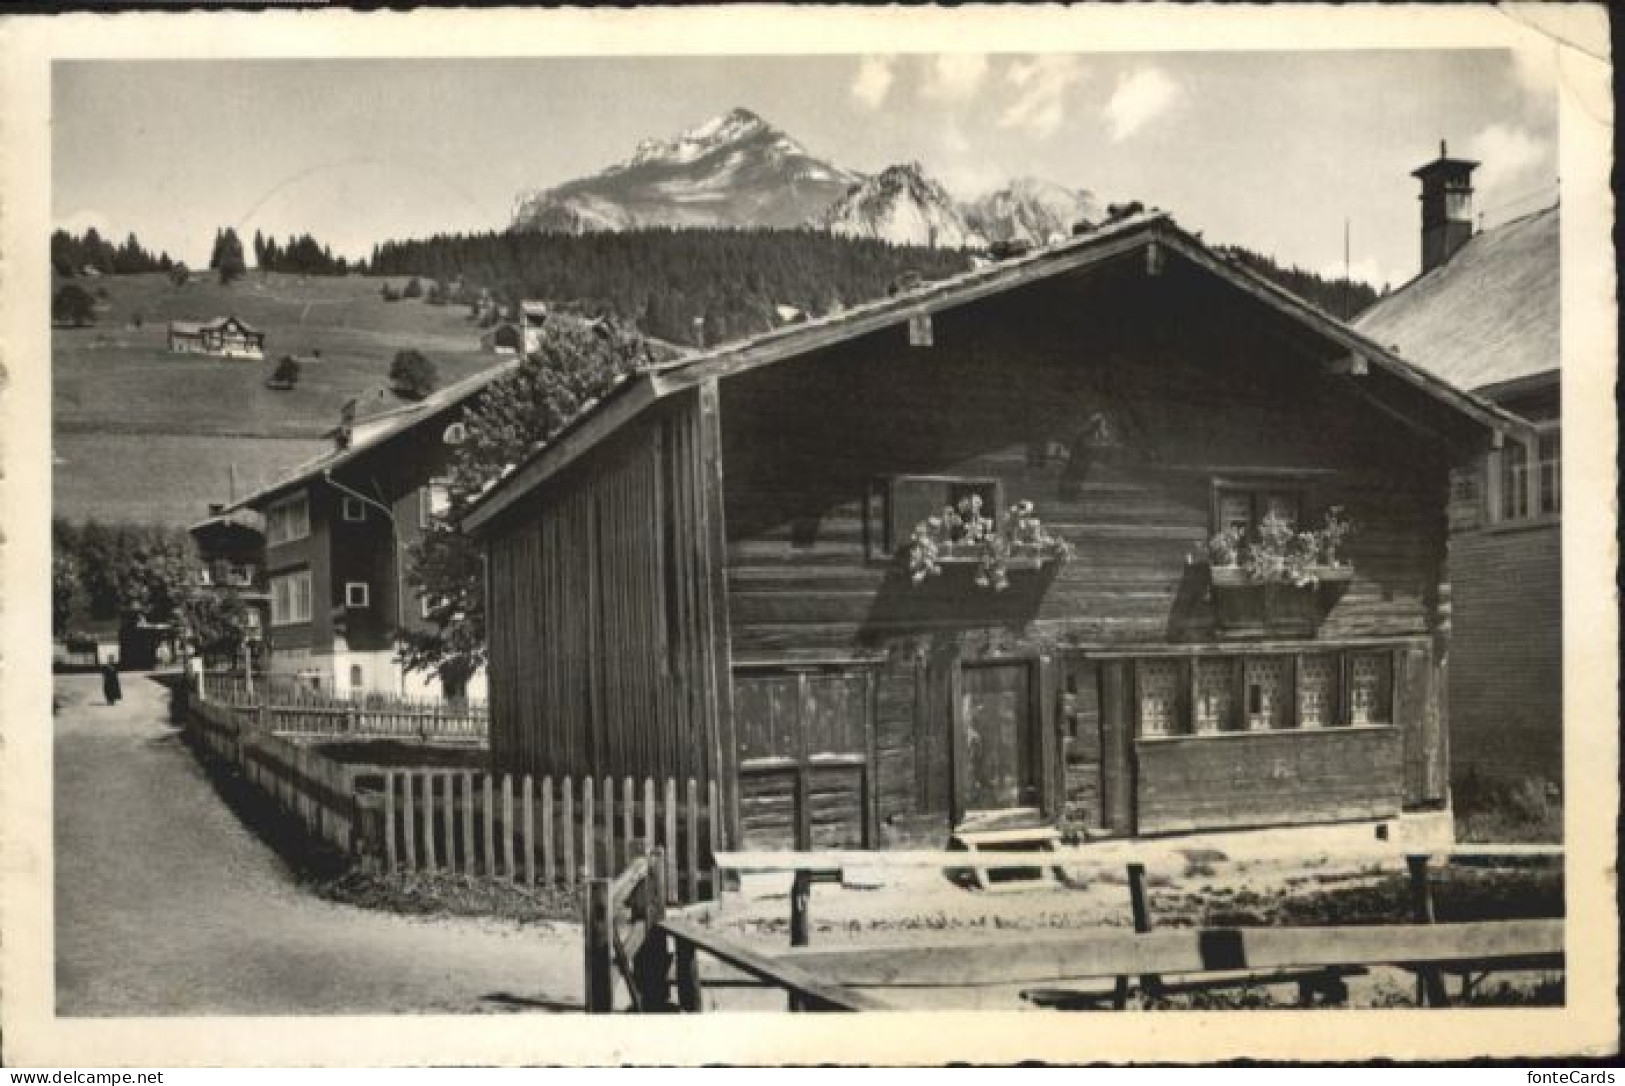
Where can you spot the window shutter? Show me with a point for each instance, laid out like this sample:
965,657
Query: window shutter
911,501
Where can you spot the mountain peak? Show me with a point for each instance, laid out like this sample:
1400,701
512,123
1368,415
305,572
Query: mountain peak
734,169
904,205
734,126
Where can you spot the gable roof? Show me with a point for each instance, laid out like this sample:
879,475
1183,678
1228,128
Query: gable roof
193,328
1137,232
385,428
1488,315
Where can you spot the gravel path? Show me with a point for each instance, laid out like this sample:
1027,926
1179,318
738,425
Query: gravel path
166,904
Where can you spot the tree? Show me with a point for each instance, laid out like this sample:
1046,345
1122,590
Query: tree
67,591
286,374
180,274
126,569
227,258
73,305
216,625
577,362
414,289
412,375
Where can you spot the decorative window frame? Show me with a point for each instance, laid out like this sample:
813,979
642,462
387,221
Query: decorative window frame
1342,710
353,510
354,600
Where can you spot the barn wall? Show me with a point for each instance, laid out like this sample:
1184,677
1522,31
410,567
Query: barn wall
603,652
1192,390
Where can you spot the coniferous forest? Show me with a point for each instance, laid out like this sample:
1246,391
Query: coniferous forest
662,279
72,254
1341,298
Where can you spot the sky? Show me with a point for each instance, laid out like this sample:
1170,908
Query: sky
1271,150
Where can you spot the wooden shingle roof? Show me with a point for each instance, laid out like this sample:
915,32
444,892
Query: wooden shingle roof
1488,315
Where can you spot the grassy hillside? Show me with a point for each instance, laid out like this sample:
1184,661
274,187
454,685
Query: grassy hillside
142,434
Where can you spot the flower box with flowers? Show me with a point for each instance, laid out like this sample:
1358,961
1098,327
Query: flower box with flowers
962,535
1271,580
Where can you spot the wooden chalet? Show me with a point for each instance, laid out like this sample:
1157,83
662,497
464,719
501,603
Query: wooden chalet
227,337
707,574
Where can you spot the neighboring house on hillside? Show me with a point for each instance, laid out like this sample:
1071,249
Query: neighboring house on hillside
231,550
225,337
706,575
1485,316
521,335
338,530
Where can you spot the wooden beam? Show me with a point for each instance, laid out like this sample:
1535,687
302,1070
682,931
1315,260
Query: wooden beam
980,961
1115,854
725,750
1154,260
814,992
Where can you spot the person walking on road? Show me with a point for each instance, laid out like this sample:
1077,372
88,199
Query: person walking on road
110,683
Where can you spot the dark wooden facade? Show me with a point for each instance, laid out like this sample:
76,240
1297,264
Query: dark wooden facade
854,708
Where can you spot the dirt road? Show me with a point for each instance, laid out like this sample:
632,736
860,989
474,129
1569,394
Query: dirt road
166,904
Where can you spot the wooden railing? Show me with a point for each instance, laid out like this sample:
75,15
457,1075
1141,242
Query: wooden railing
293,707
1159,963
628,929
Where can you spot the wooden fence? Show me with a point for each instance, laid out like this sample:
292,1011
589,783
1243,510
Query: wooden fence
294,708
526,831
544,831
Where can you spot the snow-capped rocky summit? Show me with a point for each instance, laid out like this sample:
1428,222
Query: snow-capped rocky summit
903,205
737,170
1030,210
733,170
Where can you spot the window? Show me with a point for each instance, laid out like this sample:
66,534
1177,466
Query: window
290,598
1269,693
912,498
287,520
1159,697
355,510
1215,695
1371,688
357,680
434,502
1263,692
1514,481
1317,691
356,594
1549,465
1246,506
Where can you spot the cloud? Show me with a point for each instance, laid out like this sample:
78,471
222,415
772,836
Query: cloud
1139,98
1509,155
1040,85
873,82
954,77
1535,69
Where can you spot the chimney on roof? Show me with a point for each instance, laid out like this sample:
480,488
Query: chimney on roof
1447,206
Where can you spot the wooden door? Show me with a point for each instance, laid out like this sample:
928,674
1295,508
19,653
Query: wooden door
998,723
804,779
